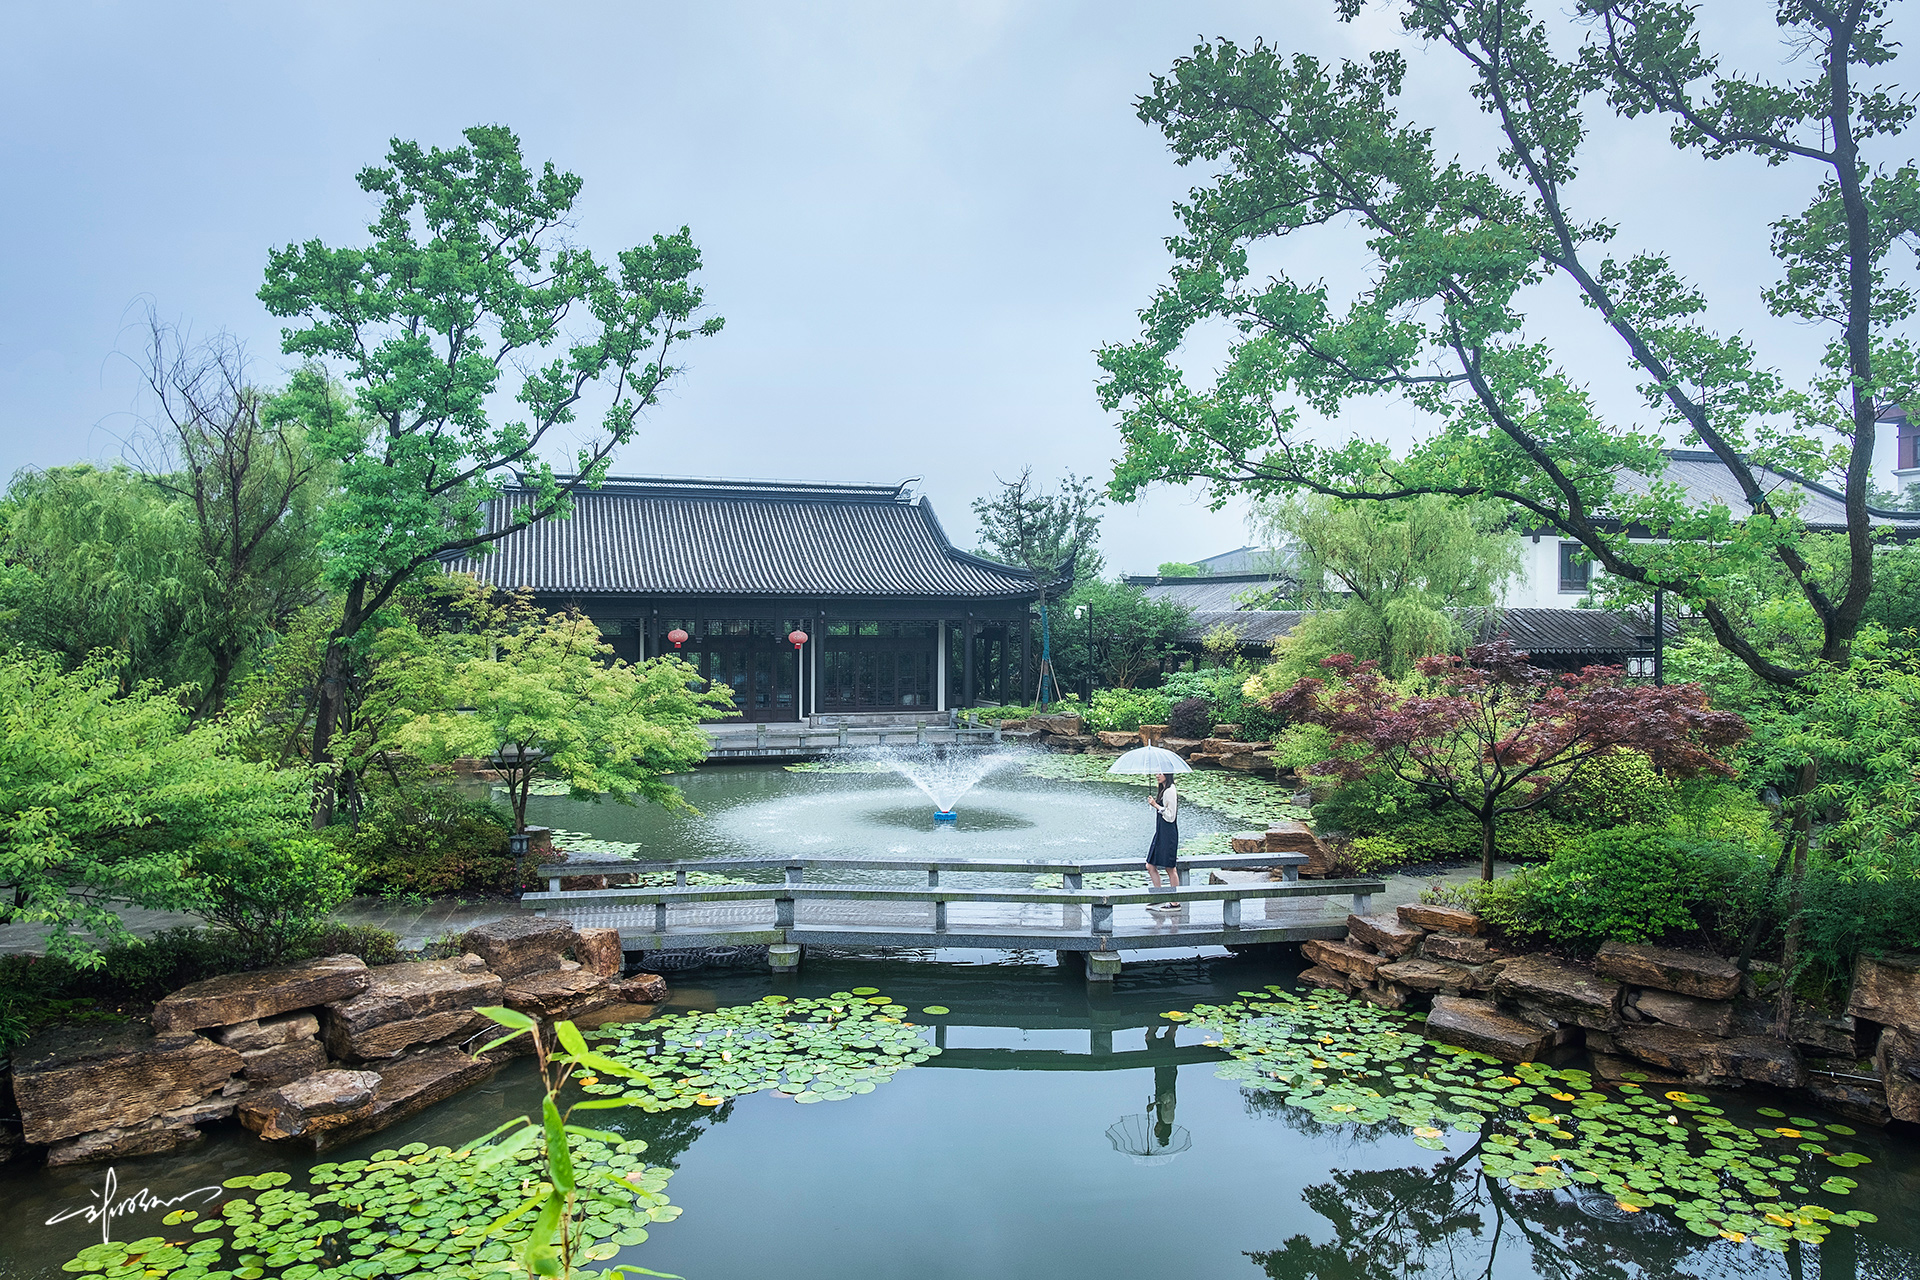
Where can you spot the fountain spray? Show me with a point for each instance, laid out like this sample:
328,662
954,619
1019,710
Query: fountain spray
945,776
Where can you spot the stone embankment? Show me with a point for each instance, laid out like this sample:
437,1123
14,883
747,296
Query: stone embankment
1069,733
1672,1017
322,1052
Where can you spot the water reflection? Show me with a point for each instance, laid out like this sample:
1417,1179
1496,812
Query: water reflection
1155,1137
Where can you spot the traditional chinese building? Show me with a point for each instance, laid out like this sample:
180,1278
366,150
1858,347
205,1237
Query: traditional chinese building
807,599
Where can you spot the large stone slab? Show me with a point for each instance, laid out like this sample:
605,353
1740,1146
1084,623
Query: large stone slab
151,1137
78,1079
1428,916
266,1033
1898,1059
1330,979
642,988
1886,990
1061,724
1761,1060
1611,1066
1565,992
408,994
1687,1052
1384,934
243,997
407,1088
323,1100
1477,1025
1427,975
1827,1037
278,1064
521,944
1118,738
1354,961
1456,949
600,952
1709,1017
1853,1095
1689,974
561,994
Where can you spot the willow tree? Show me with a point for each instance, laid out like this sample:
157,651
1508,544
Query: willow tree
1455,253
468,330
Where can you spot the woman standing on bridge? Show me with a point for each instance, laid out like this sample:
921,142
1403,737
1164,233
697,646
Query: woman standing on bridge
1164,853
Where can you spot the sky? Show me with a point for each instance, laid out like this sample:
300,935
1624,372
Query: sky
918,220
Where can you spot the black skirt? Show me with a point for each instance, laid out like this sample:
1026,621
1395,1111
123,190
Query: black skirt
1165,850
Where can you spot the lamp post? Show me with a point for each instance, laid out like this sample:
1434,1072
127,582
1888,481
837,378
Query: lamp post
518,762
1086,681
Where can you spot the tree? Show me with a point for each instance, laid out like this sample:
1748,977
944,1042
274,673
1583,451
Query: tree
1047,534
1117,634
1496,735
237,459
551,693
1299,146
106,799
467,277
1379,579
1180,569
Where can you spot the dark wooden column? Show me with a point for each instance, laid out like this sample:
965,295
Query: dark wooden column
966,662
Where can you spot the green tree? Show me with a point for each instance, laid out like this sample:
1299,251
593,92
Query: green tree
1378,578
106,799
1113,634
550,692
468,276
1050,535
1456,250
98,559
1179,569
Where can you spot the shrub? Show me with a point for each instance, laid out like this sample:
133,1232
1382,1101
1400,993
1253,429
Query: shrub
431,842
1620,788
1364,855
1629,884
370,942
1125,710
271,894
1189,718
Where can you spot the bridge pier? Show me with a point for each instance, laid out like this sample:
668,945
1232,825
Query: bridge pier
784,957
1103,966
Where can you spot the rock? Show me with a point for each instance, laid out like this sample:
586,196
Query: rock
1019,735
1228,732
1291,837
1067,725
1246,761
1858,1097
1321,976
1563,991
1067,741
1428,916
1687,1052
1684,972
1449,946
1151,734
152,1137
1483,977
1354,961
560,995
324,1100
1426,975
1825,1037
1012,725
1249,842
617,1012
1898,1058
1709,1017
1761,1060
1118,738
1387,995
387,1039
277,1064
395,1011
1886,990
405,1089
521,944
1182,747
642,988
1477,1025
1384,934
1219,746
244,997
78,1079
1609,1066
599,951
265,1034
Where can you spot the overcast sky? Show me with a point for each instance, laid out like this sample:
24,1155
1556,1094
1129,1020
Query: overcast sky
919,220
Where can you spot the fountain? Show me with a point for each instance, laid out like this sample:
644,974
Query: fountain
945,775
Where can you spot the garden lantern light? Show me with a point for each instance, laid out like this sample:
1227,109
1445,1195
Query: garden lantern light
678,636
797,638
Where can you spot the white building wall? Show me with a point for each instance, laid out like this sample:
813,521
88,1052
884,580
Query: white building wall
1538,586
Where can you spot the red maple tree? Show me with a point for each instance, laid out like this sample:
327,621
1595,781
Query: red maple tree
1495,734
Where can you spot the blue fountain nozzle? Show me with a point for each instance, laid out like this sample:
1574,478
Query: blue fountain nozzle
945,815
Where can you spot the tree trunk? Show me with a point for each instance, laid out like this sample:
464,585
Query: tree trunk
1486,845
1804,784
330,704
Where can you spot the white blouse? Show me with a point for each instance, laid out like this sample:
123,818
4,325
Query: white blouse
1170,804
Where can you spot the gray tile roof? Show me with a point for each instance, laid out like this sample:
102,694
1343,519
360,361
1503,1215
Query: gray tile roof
1543,631
1706,479
674,536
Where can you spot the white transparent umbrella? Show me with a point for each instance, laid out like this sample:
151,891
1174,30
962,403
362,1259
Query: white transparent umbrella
1137,1138
1150,760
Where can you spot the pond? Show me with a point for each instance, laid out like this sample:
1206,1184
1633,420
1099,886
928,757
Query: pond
1062,1131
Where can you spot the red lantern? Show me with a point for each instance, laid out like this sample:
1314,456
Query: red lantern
678,637
796,638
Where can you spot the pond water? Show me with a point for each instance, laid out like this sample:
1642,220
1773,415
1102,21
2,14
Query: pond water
1064,1131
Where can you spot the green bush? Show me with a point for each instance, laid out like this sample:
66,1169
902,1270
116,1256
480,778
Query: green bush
1124,710
1365,855
271,894
431,842
1620,788
370,942
1628,884
1189,718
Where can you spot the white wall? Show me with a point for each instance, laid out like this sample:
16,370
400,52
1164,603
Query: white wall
1538,586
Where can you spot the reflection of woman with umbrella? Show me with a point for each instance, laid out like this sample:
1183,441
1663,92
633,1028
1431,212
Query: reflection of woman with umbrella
1154,1138
1163,855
